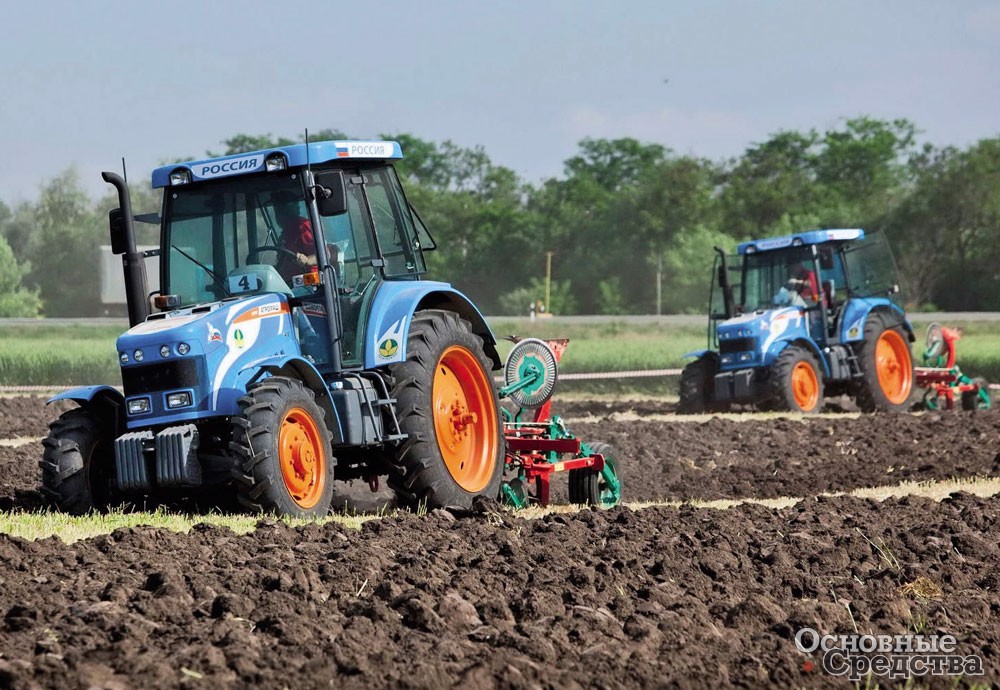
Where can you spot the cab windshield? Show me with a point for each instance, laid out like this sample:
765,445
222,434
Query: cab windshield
780,278
252,234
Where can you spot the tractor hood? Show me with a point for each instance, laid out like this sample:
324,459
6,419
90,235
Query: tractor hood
745,340
208,351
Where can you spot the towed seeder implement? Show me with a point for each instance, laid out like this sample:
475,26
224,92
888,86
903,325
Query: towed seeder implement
542,446
942,378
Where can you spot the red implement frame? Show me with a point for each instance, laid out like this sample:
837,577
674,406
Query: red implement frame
944,380
529,445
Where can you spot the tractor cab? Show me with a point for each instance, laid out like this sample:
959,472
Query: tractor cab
805,297
229,236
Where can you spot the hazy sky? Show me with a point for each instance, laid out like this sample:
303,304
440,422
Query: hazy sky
84,83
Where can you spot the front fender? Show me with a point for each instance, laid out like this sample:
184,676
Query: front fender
86,394
772,354
392,313
106,402
293,366
697,354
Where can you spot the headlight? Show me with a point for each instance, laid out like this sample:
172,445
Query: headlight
175,400
276,162
164,351
180,177
727,359
137,355
183,348
745,356
138,406
123,357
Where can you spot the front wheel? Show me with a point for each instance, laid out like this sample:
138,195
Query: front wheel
697,383
886,367
283,450
590,487
78,463
796,381
448,407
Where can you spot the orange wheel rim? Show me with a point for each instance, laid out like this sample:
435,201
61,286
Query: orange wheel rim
805,386
302,458
465,419
893,367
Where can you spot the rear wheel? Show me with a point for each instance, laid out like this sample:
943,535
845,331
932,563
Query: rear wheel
886,367
448,406
697,381
588,486
796,380
78,463
282,444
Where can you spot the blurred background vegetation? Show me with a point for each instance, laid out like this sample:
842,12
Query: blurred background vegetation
622,212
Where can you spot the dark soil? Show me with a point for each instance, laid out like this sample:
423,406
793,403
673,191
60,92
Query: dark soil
660,597
722,458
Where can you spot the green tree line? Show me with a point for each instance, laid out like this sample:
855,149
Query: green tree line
624,216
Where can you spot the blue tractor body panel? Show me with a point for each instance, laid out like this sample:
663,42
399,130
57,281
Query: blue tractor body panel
293,156
856,311
755,340
801,238
392,313
227,344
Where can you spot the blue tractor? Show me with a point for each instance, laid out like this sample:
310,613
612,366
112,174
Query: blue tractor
292,332
795,318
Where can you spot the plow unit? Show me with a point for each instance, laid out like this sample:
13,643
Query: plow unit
941,377
541,446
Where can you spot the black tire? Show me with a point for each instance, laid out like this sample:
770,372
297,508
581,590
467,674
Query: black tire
697,384
587,486
792,387
272,407
78,463
871,395
972,400
420,473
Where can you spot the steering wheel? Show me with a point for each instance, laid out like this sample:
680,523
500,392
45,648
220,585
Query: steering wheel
271,248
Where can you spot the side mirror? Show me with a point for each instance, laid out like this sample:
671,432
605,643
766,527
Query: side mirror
331,193
116,224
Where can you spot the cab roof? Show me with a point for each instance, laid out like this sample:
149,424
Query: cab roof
290,156
798,239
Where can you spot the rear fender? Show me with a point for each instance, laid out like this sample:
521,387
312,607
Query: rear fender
295,367
856,314
106,402
392,313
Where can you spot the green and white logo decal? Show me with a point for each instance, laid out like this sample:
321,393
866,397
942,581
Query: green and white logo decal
387,346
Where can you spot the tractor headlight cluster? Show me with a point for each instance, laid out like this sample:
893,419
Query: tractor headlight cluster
183,349
727,359
175,400
137,355
138,406
180,177
123,358
164,351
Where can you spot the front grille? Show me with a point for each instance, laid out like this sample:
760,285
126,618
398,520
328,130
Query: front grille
162,376
737,345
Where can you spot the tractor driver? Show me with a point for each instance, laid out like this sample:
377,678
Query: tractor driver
297,238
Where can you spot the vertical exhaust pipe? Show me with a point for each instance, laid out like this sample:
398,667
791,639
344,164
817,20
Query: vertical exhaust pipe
133,262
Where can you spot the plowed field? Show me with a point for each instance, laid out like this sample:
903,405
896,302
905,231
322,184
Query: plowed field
658,597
